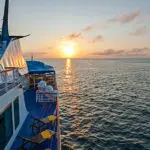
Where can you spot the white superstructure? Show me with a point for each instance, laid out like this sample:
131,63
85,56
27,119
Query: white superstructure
12,69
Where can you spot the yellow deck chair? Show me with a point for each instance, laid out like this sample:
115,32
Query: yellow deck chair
37,140
40,123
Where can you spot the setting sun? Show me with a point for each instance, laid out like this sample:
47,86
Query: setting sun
68,49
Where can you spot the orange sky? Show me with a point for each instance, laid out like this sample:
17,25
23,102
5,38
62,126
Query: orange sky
99,29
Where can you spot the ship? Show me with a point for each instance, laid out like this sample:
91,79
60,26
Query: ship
29,106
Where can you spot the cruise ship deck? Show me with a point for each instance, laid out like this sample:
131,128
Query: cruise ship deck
29,108
37,110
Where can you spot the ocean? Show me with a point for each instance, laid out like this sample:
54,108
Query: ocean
104,103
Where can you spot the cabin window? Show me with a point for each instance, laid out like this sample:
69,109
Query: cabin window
16,112
6,126
2,132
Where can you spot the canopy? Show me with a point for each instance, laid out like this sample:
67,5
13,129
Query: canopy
37,67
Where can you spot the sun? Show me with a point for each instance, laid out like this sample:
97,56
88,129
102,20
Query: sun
68,49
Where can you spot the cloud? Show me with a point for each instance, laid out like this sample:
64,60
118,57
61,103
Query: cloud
139,50
97,39
88,28
75,36
140,21
126,18
140,31
113,20
143,19
133,52
104,27
109,52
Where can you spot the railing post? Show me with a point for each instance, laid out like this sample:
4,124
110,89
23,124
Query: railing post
18,77
14,77
5,79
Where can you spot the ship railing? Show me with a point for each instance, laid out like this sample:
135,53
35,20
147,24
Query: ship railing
9,79
59,127
46,97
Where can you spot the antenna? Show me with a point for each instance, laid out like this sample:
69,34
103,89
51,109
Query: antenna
5,34
31,56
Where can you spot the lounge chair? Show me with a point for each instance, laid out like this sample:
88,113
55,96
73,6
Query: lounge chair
37,140
40,123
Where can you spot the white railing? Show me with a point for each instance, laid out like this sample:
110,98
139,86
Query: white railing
46,97
9,79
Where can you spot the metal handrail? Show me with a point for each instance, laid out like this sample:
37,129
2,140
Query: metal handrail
9,79
59,127
45,97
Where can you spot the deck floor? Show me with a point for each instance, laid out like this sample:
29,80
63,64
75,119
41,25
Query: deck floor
37,110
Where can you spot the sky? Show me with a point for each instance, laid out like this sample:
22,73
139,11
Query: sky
92,28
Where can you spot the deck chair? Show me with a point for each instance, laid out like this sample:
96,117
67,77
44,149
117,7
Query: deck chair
37,140
40,123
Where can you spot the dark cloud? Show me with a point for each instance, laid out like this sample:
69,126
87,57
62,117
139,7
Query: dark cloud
113,20
139,50
109,52
97,39
104,27
75,35
132,52
126,18
88,28
140,31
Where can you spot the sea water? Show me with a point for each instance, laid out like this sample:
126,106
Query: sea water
105,104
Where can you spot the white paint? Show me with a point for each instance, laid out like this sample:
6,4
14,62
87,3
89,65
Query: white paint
12,56
9,98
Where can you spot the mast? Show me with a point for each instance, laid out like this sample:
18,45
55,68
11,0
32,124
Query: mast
5,34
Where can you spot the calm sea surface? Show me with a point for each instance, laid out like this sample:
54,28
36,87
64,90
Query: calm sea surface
105,104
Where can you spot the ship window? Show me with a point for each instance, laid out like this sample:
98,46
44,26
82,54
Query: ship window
2,132
16,112
6,127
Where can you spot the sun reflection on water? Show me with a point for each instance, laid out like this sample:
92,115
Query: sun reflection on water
71,105
68,68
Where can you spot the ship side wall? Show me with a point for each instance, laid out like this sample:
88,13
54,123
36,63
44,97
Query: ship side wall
8,99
